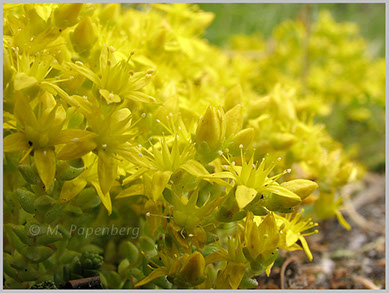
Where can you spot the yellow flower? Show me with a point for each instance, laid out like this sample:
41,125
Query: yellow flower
117,81
262,239
292,230
163,162
72,188
113,136
185,271
41,134
252,179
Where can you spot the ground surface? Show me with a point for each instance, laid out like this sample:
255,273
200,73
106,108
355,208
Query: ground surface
342,259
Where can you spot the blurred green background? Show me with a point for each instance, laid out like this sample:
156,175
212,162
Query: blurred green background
234,18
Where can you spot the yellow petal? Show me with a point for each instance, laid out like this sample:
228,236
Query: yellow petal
159,182
71,189
306,247
194,168
76,149
105,198
22,81
72,135
152,276
268,269
23,112
45,163
110,97
15,142
135,189
107,170
244,195
236,273
342,220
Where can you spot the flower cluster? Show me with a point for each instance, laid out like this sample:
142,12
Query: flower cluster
334,73
129,117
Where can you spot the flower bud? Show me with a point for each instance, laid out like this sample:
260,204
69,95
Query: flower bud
192,271
233,97
234,120
282,141
262,239
84,35
110,12
278,202
244,137
67,14
258,107
302,187
210,128
346,174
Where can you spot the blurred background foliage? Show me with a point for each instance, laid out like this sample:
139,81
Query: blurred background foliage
364,140
233,18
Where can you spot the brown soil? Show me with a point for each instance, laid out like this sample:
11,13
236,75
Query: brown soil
342,259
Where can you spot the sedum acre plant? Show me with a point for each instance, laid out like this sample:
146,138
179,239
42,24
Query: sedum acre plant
128,118
333,73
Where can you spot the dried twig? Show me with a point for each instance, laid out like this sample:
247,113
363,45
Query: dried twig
365,282
283,269
86,283
362,222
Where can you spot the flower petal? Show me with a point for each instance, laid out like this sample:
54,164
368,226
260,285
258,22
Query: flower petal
71,189
342,220
306,247
244,195
159,182
85,71
105,198
46,164
22,81
140,97
76,149
159,272
135,189
107,170
15,142
72,135
110,97
23,112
